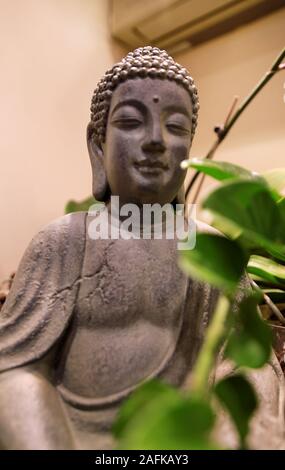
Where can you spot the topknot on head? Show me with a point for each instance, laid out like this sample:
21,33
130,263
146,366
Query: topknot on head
143,62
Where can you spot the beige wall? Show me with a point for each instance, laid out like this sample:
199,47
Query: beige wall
52,54
231,65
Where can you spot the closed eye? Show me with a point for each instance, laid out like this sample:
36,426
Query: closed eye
177,128
127,122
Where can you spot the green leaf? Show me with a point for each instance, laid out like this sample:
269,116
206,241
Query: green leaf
251,207
159,417
281,208
250,342
224,226
276,252
140,399
281,205
221,170
237,395
216,260
276,179
266,269
73,206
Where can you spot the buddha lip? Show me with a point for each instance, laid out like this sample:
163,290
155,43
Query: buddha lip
151,164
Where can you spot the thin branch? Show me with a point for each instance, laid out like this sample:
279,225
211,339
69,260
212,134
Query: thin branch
275,310
197,174
278,60
224,130
231,110
217,130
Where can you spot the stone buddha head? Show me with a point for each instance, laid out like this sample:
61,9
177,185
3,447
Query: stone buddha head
143,119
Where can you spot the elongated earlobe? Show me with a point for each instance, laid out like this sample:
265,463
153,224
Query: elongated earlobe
100,186
180,197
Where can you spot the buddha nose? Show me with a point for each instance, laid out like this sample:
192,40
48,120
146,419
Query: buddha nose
154,141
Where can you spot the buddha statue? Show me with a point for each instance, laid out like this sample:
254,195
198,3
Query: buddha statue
86,321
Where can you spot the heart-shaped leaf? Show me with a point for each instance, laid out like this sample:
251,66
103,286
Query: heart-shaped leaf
221,170
251,207
159,417
216,260
237,395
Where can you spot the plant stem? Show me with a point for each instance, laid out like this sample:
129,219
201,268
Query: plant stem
224,130
207,356
274,309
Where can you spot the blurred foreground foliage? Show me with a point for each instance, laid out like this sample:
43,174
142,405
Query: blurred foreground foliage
248,209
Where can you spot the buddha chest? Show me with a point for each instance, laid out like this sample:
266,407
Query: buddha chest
128,316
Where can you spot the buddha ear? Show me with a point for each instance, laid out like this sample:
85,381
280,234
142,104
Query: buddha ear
96,154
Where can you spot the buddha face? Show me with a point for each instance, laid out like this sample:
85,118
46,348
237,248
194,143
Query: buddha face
148,135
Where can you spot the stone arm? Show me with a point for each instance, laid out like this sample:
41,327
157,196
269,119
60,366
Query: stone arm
33,320
32,415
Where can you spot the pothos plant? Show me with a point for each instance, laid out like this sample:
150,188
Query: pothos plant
266,269
249,210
